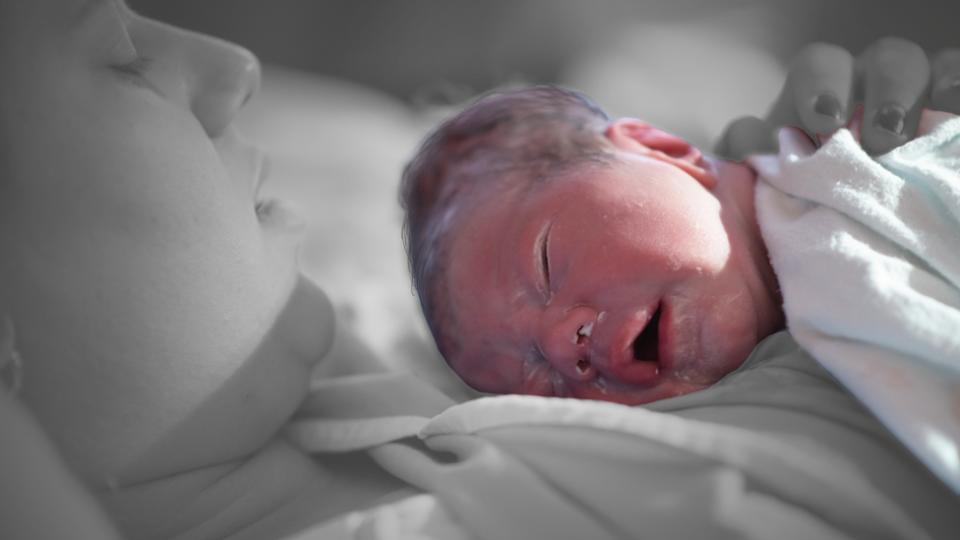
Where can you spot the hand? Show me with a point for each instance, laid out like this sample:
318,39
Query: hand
892,78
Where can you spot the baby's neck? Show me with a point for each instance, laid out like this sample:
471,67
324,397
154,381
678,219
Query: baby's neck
736,191
736,187
272,494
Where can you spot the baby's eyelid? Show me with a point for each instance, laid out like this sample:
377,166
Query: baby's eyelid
543,244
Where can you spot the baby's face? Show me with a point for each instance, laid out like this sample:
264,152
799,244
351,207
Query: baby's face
627,283
150,289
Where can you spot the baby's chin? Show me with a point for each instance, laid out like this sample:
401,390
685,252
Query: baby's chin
638,396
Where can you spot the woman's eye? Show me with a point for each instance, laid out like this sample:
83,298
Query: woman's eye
125,59
136,68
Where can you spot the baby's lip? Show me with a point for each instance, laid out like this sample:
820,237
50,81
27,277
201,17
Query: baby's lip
623,353
666,337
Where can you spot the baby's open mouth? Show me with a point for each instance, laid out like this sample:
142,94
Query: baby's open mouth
646,348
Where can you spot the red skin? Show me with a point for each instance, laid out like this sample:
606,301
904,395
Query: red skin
663,227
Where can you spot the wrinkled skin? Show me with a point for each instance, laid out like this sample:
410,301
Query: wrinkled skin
630,283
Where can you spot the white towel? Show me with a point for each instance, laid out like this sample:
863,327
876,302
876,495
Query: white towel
867,252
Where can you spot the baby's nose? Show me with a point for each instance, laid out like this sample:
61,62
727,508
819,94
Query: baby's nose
567,342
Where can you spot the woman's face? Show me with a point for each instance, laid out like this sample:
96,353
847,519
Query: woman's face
152,293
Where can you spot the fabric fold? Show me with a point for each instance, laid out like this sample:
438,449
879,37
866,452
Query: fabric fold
867,252
806,461
347,435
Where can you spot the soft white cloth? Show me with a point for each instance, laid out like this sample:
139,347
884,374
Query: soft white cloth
419,517
777,449
867,252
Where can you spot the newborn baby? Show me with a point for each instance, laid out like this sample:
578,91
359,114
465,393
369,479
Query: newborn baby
558,252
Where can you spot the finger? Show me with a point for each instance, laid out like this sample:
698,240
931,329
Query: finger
821,80
854,125
747,136
796,142
895,75
945,93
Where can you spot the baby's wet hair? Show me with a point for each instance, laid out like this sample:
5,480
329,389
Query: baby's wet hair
505,140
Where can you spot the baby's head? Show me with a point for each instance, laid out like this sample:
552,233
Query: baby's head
557,252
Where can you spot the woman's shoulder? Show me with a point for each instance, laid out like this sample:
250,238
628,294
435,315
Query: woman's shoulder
43,500
271,494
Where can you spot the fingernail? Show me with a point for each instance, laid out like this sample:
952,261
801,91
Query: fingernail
827,105
891,118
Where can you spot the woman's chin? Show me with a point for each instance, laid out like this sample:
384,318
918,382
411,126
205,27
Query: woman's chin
626,395
248,409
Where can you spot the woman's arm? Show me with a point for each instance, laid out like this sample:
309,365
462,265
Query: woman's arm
893,78
40,499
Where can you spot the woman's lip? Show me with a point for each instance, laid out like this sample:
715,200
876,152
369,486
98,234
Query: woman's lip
280,215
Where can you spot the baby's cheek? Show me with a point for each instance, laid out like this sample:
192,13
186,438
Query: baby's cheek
538,380
734,331
705,240
483,369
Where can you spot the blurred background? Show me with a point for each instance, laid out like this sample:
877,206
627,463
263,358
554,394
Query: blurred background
351,86
429,51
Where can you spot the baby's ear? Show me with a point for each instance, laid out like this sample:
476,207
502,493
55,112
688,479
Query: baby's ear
632,135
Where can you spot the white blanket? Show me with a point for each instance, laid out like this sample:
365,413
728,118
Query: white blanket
867,252
777,449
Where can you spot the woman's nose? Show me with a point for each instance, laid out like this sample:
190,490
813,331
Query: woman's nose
566,342
225,77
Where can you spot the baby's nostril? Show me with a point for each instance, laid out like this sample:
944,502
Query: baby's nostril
583,333
583,366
